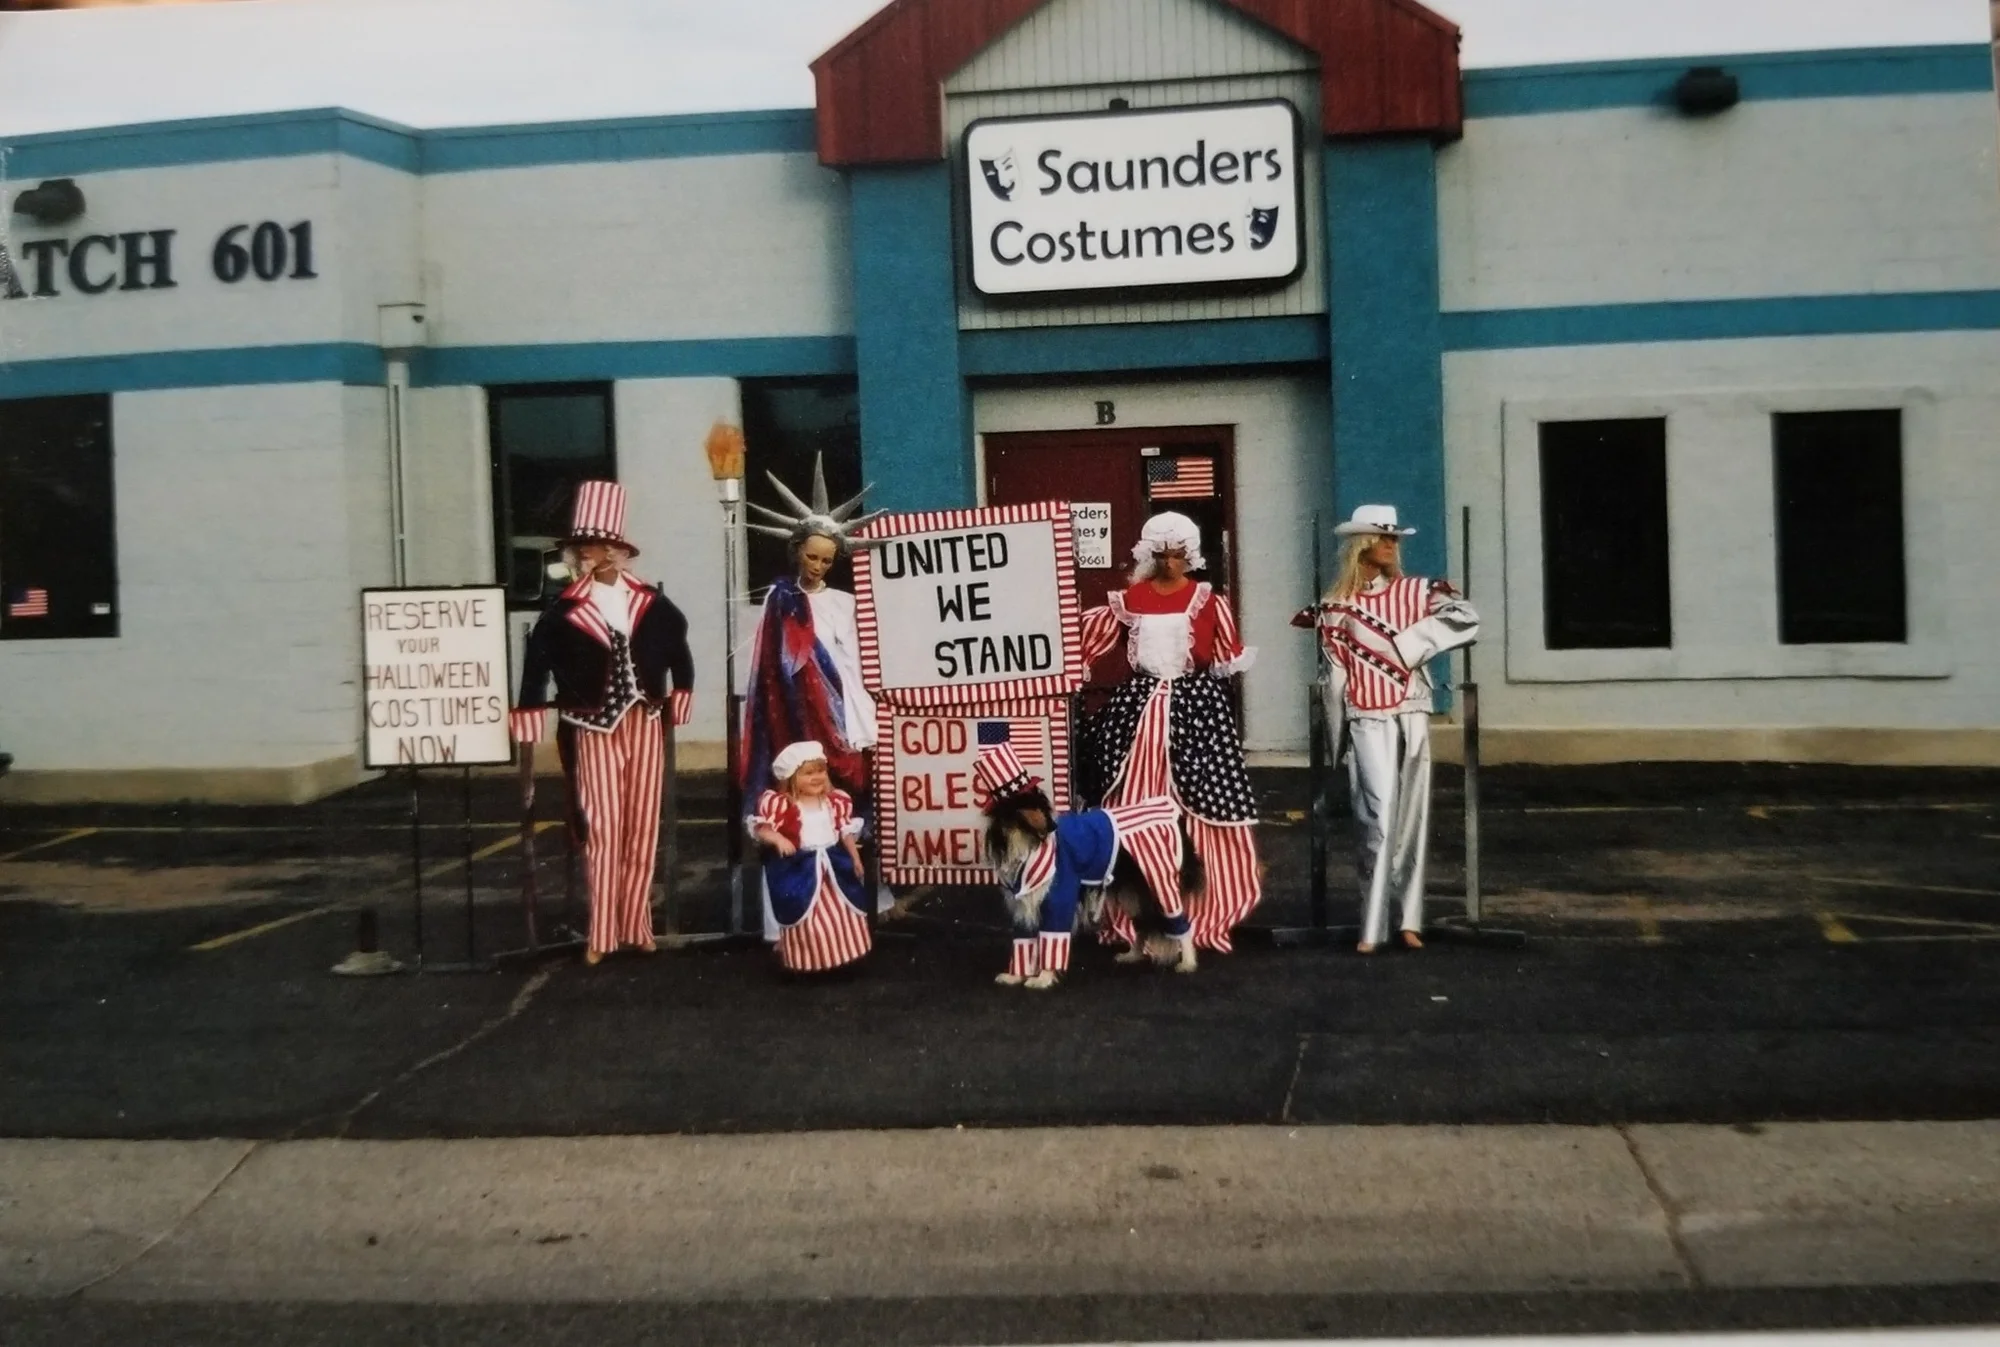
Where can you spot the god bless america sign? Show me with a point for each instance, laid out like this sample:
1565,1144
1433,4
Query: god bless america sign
960,606
1135,200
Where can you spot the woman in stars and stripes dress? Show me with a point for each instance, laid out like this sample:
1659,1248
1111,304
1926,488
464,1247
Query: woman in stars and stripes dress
1169,729
1378,629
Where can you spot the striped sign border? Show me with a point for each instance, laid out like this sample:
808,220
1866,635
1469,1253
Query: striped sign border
1055,710
951,521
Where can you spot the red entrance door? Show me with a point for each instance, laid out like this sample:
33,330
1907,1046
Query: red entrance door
1138,473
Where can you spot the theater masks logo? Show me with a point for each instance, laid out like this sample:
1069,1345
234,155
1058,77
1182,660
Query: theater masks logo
999,175
1169,198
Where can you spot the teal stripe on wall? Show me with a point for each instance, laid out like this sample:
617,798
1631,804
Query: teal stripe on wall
738,357
1723,320
279,135
1885,72
1130,347
1388,365
316,362
625,140
212,140
916,419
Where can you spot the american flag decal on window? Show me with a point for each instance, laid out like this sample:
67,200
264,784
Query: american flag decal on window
1180,478
28,603
1023,732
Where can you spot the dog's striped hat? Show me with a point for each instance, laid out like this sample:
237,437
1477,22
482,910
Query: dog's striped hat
998,773
599,516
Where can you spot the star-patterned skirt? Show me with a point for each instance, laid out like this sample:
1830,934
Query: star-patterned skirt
1204,749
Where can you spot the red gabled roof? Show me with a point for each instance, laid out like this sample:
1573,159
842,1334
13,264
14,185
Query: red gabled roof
1387,67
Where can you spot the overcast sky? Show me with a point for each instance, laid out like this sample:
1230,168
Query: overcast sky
473,62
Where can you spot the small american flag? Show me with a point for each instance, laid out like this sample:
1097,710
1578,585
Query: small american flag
29,603
1023,732
1180,478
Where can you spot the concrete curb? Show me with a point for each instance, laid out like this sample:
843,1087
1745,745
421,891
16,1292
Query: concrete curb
995,1213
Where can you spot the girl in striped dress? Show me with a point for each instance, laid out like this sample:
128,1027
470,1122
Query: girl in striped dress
1169,730
812,863
1379,629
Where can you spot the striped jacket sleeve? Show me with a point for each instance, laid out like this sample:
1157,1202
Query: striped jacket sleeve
1101,629
529,718
1231,655
846,820
773,812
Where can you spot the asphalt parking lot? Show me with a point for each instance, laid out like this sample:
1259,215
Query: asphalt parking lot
1705,943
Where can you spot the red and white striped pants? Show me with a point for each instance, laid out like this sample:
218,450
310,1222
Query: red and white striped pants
615,776
1228,851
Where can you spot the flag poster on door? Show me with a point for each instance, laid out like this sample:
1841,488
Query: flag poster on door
1191,477
963,606
933,828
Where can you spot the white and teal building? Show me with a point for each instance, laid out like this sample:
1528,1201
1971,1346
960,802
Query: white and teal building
1706,348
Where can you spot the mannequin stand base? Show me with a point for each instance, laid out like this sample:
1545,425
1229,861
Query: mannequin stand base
1463,931
1301,937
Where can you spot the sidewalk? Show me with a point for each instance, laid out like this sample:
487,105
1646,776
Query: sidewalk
860,1215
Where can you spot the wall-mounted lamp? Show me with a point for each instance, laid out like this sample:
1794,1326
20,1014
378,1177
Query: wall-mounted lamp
57,201
1706,90
1120,104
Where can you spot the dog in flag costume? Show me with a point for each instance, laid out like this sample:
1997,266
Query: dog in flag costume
616,649
1379,629
1170,730
1132,858
812,870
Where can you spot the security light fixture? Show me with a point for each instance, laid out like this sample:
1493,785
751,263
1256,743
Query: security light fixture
1706,90
57,201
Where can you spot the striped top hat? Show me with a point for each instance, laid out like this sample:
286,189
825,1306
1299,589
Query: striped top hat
998,773
599,516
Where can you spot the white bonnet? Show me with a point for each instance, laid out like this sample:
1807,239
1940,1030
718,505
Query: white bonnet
795,756
1167,530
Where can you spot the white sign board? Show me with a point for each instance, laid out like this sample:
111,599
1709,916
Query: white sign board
434,677
1135,200
960,606
932,825
1093,534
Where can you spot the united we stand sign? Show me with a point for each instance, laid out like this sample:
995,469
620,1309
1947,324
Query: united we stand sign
970,635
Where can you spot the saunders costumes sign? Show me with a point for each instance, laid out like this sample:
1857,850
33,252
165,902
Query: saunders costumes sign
1135,200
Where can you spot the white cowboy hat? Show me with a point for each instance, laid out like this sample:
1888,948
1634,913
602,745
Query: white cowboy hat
1373,519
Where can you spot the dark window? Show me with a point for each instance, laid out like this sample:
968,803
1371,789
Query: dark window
546,439
58,543
786,423
1604,535
1840,527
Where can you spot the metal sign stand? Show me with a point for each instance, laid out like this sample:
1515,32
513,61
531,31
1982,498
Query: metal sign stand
1471,928
1320,805
471,963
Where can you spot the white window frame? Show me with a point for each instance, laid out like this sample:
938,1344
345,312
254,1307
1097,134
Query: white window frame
1722,522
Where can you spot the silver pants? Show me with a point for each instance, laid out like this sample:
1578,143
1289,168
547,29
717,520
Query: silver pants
1389,773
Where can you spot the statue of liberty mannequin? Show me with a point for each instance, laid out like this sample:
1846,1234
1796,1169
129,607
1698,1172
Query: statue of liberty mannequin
805,666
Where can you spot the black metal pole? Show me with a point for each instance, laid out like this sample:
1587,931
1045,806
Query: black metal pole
417,864
670,824
530,894
465,839
732,822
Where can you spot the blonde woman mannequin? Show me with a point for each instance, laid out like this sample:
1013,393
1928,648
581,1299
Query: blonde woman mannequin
1379,629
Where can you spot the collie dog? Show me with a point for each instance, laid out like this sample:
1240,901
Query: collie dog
1018,824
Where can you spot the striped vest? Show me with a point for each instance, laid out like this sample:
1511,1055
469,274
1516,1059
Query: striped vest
1361,634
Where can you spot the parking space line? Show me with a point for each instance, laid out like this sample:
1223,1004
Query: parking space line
44,845
1908,888
1835,930
1985,928
237,937
442,868
1647,919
